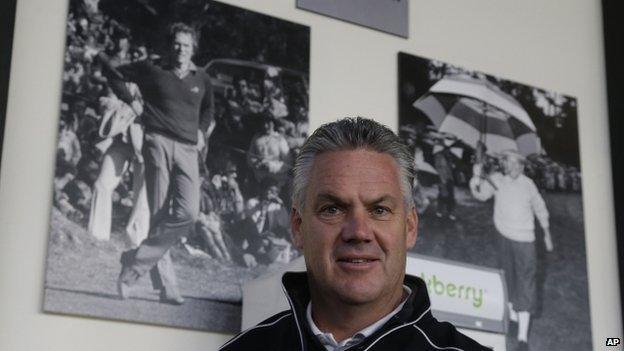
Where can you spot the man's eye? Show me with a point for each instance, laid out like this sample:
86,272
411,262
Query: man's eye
380,211
330,210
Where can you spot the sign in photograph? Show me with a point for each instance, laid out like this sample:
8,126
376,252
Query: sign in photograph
467,296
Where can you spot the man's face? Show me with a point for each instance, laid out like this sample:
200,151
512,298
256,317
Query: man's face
272,192
182,48
123,44
242,87
513,167
268,125
355,228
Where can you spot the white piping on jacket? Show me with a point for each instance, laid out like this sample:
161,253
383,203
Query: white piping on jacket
395,328
254,327
434,345
292,307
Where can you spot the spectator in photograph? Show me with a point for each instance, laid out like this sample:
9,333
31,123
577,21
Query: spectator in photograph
562,179
223,230
244,101
220,193
354,220
73,77
210,230
274,101
209,225
123,137
443,163
226,194
68,142
292,133
549,177
178,111
64,174
420,198
516,202
77,191
269,155
235,130
575,178
269,234
421,201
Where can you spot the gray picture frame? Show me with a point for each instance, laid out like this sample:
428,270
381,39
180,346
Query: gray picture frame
389,16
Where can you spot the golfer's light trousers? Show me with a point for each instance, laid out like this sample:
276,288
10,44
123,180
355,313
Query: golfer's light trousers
114,163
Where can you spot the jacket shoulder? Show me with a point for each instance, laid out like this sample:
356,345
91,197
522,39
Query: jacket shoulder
269,334
443,335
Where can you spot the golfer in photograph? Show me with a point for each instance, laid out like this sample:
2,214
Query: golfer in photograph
178,110
516,202
353,217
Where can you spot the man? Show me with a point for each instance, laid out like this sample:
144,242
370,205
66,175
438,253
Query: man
442,160
516,202
266,226
244,101
353,218
178,110
122,147
269,155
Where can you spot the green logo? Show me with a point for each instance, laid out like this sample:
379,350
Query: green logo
438,287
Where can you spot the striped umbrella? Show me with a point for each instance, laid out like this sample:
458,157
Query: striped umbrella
477,111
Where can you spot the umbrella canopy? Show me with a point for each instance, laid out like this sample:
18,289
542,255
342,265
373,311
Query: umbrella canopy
477,111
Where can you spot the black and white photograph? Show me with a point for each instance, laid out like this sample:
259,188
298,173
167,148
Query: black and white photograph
390,16
498,185
179,124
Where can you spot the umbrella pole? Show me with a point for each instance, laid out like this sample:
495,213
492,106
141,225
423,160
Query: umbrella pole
480,149
484,124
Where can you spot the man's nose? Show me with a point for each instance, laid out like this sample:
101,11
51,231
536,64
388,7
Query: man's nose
357,228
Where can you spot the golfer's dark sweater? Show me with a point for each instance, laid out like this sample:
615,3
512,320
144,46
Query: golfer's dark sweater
174,107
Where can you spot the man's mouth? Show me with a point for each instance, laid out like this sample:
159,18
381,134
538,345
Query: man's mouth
356,260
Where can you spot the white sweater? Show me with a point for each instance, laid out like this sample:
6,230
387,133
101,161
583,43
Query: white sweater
516,201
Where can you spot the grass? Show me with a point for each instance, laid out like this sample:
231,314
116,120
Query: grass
562,320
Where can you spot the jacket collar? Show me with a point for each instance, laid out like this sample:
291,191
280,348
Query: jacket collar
416,308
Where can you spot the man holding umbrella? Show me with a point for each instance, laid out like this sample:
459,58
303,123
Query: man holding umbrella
516,202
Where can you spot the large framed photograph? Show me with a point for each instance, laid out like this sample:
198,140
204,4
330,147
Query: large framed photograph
498,185
178,128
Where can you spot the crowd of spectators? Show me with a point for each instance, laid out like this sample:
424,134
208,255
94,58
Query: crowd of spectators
547,174
80,147
444,162
261,122
553,176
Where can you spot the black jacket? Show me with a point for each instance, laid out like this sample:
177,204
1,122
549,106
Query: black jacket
412,328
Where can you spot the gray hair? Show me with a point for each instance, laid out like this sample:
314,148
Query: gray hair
180,27
351,134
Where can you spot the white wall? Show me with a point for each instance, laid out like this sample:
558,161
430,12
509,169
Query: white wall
551,44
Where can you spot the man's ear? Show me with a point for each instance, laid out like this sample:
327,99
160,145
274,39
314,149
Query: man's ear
295,226
411,228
